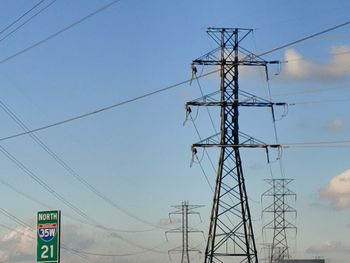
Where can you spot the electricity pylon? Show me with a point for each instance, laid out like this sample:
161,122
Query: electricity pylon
279,192
184,210
231,237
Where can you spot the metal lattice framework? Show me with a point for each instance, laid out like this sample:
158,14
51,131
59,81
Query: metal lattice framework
184,210
231,237
280,194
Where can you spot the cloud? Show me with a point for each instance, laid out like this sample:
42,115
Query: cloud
337,192
328,247
17,245
336,125
301,68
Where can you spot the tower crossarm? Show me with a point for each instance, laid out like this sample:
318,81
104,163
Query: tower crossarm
246,142
245,99
203,145
208,60
231,103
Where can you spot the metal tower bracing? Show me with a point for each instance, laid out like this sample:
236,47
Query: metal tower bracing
184,210
280,195
231,237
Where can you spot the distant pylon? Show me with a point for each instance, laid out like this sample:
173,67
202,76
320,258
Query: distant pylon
184,210
231,237
278,207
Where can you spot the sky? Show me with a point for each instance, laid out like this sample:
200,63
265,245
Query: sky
115,175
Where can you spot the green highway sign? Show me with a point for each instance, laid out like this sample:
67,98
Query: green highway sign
48,236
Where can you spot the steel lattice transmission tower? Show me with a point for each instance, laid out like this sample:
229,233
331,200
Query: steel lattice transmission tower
184,210
280,194
230,237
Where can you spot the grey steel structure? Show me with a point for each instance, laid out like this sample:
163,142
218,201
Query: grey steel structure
184,210
279,195
230,237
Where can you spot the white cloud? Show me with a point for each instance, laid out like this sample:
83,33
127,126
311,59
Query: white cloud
299,67
328,247
17,245
338,191
336,125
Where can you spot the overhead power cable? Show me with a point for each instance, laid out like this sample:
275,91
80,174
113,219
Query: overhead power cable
43,184
117,254
24,224
16,190
103,8
71,171
27,21
305,38
339,143
33,176
90,221
142,96
79,251
46,206
14,218
21,16
105,108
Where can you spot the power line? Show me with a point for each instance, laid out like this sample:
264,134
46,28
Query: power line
59,197
66,202
16,190
305,38
24,224
43,184
147,94
14,218
21,16
31,198
142,96
113,254
55,194
27,21
70,170
78,251
143,251
104,108
59,32
339,143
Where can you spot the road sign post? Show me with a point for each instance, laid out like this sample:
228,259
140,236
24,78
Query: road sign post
48,236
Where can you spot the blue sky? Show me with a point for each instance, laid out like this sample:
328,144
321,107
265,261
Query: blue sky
138,155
